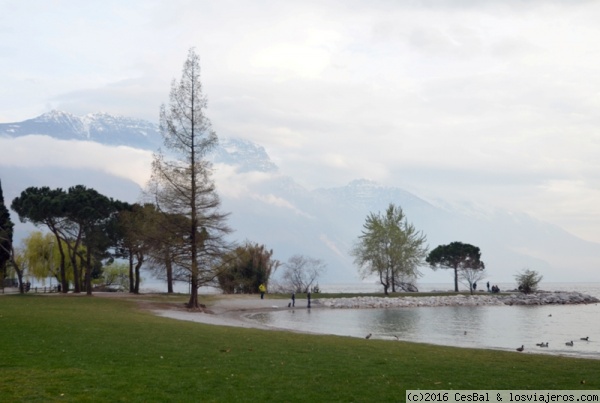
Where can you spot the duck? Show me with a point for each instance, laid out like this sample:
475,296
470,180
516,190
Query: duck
586,338
540,344
368,336
569,343
519,349
544,344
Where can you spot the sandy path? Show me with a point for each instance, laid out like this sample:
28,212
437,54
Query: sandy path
231,310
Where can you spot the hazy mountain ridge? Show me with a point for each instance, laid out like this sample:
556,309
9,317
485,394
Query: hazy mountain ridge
247,156
99,127
322,223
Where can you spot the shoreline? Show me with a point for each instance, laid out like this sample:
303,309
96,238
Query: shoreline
233,310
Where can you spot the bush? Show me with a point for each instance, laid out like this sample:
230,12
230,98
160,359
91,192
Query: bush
528,281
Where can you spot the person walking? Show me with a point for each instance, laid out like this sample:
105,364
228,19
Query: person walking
262,290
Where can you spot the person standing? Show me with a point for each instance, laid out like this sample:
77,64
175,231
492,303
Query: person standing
262,290
308,297
293,299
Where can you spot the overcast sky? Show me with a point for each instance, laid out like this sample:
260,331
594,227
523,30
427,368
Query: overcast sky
492,102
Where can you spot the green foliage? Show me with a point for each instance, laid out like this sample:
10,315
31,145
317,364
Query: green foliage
391,248
138,235
6,237
41,256
115,276
456,256
528,280
79,217
128,354
244,269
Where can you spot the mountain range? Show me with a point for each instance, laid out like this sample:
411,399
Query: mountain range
322,223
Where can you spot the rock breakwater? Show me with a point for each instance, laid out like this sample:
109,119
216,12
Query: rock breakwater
541,298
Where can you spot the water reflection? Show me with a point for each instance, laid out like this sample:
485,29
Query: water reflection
494,327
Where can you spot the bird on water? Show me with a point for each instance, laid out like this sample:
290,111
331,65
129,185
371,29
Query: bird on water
519,349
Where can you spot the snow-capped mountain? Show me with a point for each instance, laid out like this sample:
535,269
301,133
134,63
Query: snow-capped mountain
247,156
323,223
99,127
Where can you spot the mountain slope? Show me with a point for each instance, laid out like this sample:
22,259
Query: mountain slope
99,127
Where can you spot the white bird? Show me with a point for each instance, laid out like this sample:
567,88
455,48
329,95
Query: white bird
368,336
569,343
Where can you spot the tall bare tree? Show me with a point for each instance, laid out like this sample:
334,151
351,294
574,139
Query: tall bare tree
183,185
301,273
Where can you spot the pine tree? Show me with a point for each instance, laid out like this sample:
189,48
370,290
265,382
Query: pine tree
6,236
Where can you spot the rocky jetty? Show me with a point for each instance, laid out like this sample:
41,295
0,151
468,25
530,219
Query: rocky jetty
541,298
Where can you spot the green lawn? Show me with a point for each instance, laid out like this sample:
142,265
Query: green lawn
77,348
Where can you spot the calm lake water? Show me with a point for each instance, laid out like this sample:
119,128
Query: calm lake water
490,327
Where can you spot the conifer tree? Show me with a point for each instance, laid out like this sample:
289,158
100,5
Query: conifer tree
6,237
183,185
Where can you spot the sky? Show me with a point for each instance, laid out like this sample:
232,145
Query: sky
494,103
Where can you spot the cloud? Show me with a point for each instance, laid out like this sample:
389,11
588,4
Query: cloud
252,186
43,151
489,101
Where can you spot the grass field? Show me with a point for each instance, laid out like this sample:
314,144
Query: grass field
77,348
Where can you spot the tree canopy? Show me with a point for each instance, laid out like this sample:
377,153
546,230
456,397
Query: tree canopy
391,248
301,273
528,280
245,268
457,256
78,217
6,237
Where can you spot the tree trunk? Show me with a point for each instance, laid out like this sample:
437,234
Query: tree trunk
169,268
456,279
138,265
88,272
76,272
131,276
193,302
18,271
63,272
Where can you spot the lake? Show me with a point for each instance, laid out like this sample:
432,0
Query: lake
490,327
